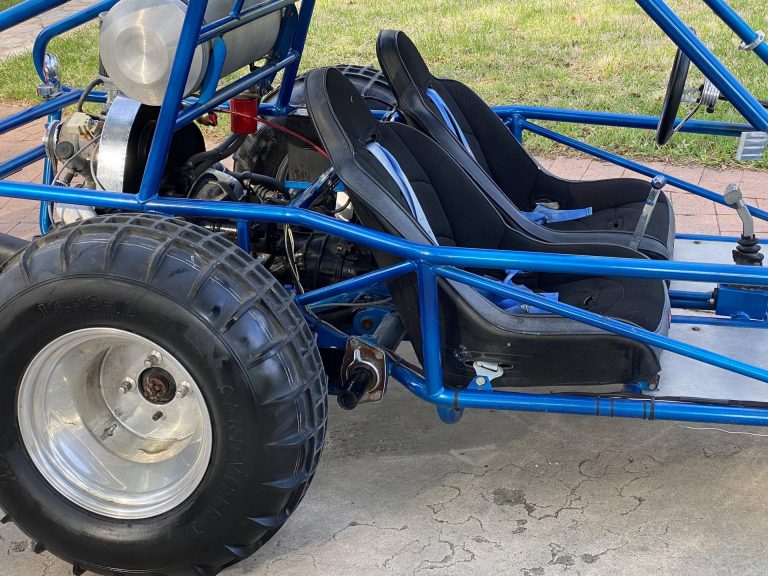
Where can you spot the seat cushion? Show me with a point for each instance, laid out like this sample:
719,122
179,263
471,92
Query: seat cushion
624,218
628,299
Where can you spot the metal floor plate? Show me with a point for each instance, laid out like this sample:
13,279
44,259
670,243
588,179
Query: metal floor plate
701,251
681,376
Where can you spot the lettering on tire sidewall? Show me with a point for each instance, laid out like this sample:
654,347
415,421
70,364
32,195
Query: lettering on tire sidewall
98,306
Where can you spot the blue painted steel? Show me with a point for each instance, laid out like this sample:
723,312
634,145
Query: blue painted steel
282,106
230,22
39,111
741,303
367,320
213,72
197,109
451,256
429,315
704,60
710,238
44,217
605,405
355,284
174,93
244,235
615,159
25,10
64,25
449,414
717,321
508,113
237,7
738,25
18,162
691,300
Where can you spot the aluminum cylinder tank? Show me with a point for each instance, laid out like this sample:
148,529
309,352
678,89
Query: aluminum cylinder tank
138,41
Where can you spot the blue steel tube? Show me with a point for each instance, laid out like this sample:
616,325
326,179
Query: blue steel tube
64,25
352,284
26,10
18,162
646,409
707,62
639,168
429,315
450,256
289,75
38,111
617,120
736,23
174,94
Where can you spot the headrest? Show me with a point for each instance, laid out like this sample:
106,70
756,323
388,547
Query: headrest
400,59
337,107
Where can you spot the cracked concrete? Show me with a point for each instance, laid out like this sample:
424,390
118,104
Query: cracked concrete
399,493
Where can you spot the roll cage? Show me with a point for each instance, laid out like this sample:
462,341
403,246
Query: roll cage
429,263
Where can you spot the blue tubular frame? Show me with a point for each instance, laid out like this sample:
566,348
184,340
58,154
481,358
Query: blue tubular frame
428,263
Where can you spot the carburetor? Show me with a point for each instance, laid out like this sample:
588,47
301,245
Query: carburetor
71,146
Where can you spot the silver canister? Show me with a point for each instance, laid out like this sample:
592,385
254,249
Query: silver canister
138,41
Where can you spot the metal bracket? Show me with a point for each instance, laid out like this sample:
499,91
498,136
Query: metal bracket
51,86
359,352
485,373
754,44
752,146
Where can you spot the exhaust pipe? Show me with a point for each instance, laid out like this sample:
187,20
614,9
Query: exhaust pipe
10,245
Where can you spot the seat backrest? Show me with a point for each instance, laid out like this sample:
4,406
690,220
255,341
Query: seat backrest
494,151
443,190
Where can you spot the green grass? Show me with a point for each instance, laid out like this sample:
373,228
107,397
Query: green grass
8,3
591,54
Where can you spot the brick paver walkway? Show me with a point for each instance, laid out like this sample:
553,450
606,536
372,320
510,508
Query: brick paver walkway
20,38
694,214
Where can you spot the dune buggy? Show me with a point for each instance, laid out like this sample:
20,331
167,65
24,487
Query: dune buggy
171,338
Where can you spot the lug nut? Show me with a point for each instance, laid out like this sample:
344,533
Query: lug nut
182,390
127,385
154,358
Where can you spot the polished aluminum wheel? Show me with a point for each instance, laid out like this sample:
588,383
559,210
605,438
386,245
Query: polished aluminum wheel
115,423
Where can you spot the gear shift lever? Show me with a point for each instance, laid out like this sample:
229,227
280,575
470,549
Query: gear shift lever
748,249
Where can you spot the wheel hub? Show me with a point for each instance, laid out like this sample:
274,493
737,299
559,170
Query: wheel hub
115,423
157,386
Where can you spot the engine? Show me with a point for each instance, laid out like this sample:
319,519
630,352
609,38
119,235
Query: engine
106,146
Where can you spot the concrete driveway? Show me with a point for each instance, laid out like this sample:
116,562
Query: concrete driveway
400,493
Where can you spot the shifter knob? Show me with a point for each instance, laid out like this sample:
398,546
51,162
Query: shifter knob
748,249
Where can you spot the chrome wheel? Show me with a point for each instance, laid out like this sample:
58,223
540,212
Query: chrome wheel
114,423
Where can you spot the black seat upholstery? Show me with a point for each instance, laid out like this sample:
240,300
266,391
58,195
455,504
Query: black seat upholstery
535,349
503,168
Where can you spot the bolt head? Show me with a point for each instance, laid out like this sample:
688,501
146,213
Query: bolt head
182,390
480,380
154,358
379,354
127,385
